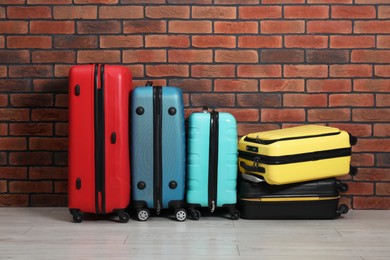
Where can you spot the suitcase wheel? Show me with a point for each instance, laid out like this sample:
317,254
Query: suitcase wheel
235,214
194,214
123,217
342,187
180,214
143,214
343,209
77,216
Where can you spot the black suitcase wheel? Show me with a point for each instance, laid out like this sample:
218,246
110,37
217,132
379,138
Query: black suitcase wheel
123,217
353,171
235,214
194,214
143,214
180,215
342,187
77,217
343,209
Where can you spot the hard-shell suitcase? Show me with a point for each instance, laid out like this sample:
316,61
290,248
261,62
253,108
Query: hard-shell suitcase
158,150
317,199
99,167
211,162
297,154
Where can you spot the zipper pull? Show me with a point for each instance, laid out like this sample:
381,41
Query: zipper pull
256,161
212,206
158,209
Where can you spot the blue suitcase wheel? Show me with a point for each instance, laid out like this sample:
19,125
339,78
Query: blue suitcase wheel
143,214
180,215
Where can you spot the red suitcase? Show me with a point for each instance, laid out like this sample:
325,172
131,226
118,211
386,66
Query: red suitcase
99,166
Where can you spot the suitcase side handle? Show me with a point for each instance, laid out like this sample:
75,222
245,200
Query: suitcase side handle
254,168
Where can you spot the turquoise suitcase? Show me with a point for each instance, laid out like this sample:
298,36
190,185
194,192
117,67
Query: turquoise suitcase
211,162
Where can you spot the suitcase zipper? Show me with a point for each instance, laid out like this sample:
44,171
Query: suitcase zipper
99,140
157,147
213,160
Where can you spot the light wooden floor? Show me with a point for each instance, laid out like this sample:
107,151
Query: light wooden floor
49,233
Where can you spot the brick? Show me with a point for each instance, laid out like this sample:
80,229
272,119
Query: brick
2,12
214,41
382,70
383,100
259,71
30,12
383,41
286,27
259,100
61,158
98,27
138,56
30,187
167,71
53,56
49,173
192,85
307,41
98,56
381,129
74,12
2,41
50,200
236,85
96,1
14,200
3,186
382,189
236,27
10,114
12,143
351,100
282,56
245,128
373,174
243,115
372,145
190,27
282,85
31,100
383,11
138,71
121,12
213,71
3,100
306,12
172,41
61,70
61,101
259,12
143,1
51,2
47,114
168,12
144,26
370,56
353,12
14,173
3,129
362,160
39,71
282,1
371,202
13,2
212,100
372,27
14,56
232,2
14,85
3,158
331,27
3,71
305,100
190,56
327,56
260,41
371,85
329,1
383,159
360,188
282,115
350,71
29,42
213,12
75,42
30,158
50,85
30,129
306,71
329,115
371,115
60,186
13,27
348,42
240,56
61,129
48,144
372,1
359,130
52,27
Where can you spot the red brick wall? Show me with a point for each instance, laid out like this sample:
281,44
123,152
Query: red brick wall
272,63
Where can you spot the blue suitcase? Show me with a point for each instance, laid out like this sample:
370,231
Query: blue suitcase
211,162
158,150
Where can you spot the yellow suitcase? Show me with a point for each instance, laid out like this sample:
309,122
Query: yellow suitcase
296,154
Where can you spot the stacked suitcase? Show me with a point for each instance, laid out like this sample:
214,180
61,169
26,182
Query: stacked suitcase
291,172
